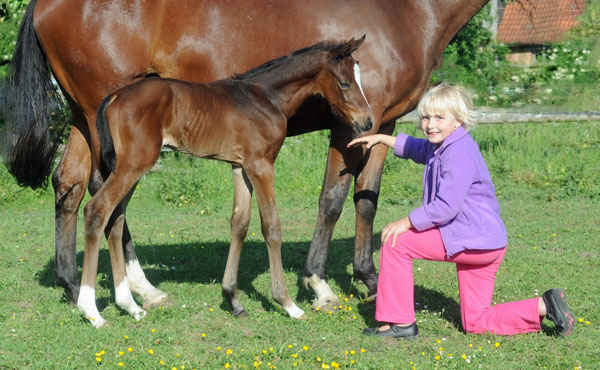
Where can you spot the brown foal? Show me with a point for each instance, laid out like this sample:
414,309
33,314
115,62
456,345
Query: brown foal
241,120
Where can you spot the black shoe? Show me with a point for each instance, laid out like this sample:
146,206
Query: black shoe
558,312
409,332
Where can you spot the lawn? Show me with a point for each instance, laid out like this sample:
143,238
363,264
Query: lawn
548,184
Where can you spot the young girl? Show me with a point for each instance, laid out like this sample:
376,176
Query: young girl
459,222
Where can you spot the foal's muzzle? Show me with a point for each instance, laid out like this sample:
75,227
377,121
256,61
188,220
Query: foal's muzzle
363,127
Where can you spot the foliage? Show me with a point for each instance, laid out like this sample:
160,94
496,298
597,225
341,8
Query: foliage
565,76
11,12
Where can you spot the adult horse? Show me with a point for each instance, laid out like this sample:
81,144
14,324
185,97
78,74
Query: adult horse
109,44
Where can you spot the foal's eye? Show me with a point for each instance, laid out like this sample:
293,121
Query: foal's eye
344,85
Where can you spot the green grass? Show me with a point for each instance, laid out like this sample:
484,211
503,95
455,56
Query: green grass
548,187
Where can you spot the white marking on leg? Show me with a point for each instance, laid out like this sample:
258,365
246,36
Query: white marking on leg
125,300
357,78
321,289
87,305
140,285
294,311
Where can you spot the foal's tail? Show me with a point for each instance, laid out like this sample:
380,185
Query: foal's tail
27,100
107,146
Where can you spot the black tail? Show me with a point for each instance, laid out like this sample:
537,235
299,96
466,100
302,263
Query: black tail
107,147
28,142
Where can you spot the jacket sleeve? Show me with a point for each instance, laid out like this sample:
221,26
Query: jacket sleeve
457,174
408,147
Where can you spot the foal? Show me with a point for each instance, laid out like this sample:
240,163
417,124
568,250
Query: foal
241,120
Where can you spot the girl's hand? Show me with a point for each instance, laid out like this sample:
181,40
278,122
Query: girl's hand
394,229
371,140
367,141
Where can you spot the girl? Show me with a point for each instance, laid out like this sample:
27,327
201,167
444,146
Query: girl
459,222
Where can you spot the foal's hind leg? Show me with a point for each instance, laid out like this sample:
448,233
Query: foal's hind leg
261,176
240,219
96,214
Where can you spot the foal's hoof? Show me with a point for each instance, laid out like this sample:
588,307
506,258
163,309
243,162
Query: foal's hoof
162,301
372,298
240,314
327,304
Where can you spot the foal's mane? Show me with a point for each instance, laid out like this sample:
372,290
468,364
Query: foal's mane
318,47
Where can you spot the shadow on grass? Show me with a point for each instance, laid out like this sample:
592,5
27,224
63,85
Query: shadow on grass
204,263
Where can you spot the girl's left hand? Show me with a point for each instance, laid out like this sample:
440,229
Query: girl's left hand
394,229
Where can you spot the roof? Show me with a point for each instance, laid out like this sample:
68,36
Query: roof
538,21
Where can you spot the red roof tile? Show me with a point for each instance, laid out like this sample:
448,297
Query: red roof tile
538,21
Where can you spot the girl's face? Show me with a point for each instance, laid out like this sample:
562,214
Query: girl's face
437,127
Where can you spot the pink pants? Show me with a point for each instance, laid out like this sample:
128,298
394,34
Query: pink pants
476,270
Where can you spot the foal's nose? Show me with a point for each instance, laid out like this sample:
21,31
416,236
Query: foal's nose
368,124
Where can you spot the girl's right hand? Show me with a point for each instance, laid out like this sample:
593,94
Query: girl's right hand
372,140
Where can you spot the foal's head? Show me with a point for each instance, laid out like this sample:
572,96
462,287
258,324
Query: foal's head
341,87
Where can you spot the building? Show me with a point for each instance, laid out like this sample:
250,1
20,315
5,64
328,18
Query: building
526,26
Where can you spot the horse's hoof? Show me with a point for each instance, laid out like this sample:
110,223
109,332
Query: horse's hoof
162,301
327,304
372,298
241,314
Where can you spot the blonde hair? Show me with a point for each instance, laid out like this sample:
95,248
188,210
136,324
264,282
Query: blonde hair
448,98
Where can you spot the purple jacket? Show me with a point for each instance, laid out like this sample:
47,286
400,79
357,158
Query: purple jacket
459,197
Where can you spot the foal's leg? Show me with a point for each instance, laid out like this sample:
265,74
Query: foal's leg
96,216
123,295
240,219
261,176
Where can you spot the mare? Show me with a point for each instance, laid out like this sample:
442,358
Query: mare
241,120
110,44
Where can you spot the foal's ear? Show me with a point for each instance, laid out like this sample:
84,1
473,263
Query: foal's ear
346,49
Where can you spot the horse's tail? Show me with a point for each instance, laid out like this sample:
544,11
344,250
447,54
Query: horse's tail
28,142
107,146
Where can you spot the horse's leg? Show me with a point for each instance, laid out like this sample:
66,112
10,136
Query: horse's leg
366,193
261,176
240,219
138,283
115,227
97,213
69,181
336,185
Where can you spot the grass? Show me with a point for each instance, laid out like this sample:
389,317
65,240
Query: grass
548,187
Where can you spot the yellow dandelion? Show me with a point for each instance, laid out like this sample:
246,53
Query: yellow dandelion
210,309
580,319
99,359
349,308
294,355
229,351
121,353
178,355
362,350
120,364
497,344
295,364
438,341
203,335
227,365
437,357
129,349
351,295
271,349
324,366
290,346
151,351
464,356
587,322
352,362
153,330
318,359
423,353
161,362
305,348
218,348
335,365
102,353
470,345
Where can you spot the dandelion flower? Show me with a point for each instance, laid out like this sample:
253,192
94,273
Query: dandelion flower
497,344
229,351
362,350
99,359
437,357
151,351
227,365
580,319
121,353
120,364
129,349
203,335
325,366
153,330
335,365
305,348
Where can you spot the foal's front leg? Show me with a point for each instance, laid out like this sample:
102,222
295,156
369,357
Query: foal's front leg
240,219
261,176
